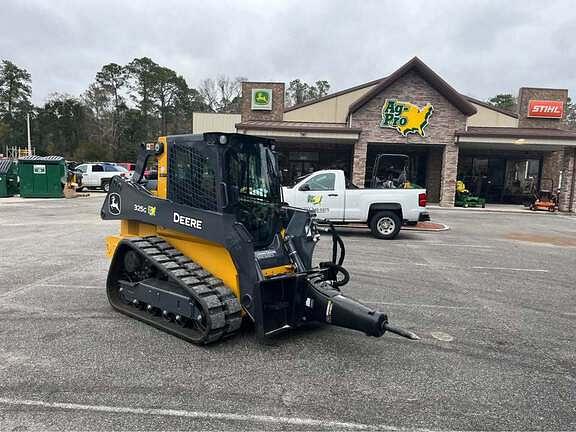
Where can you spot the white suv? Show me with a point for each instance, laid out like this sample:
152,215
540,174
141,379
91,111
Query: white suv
98,175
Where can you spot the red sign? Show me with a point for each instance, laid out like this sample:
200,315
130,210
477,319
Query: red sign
545,109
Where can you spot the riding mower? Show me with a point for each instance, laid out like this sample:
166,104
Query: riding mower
464,199
544,197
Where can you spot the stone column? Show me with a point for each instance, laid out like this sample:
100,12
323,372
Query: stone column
359,163
551,166
449,173
568,190
433,175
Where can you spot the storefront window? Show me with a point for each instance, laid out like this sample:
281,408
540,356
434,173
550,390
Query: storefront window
297,163
507,179
304,156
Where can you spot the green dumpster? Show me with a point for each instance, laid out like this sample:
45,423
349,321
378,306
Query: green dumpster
42,177
8,178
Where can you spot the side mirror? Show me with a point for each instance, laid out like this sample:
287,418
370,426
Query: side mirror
305,187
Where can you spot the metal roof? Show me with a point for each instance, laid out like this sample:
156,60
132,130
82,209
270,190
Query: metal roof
42,158
5,165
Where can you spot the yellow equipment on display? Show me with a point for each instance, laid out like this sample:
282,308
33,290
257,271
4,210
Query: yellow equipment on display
213,243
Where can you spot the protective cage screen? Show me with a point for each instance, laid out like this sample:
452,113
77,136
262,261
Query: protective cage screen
191,177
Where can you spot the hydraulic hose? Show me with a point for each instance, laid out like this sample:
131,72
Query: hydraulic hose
337,259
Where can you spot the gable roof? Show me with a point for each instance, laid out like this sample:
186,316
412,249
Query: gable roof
333,95
491,107
429,75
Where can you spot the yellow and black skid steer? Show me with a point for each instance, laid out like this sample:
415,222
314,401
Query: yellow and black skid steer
213,243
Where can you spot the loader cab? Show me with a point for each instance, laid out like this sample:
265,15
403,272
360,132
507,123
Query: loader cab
228,173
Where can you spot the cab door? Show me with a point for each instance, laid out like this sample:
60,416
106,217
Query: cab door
319,193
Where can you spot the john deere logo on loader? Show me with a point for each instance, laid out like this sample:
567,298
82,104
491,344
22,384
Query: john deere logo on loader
261,99
405,117
315,199
114,204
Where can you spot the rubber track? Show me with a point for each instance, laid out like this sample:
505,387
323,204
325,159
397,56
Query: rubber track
223,308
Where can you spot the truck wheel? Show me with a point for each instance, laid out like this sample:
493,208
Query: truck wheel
106,185
385,225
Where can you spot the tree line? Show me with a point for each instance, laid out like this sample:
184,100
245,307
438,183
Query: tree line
124,105
129,104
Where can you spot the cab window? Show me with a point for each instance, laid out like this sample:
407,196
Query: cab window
82,168
322,182
97,168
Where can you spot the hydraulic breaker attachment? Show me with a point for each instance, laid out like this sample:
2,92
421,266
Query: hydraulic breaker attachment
287,302
329,305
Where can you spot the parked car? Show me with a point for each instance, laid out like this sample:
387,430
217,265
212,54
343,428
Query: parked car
128,165
333,198
97,175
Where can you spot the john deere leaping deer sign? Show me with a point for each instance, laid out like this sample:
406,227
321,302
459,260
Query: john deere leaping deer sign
261,99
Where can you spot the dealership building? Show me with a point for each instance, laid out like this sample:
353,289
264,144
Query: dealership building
447,136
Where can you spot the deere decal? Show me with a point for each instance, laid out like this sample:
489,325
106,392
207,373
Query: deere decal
262,99
405,117
315,199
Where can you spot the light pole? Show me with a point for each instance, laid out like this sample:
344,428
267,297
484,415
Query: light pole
28,129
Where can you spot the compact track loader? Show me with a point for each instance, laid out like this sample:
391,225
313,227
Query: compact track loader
214,244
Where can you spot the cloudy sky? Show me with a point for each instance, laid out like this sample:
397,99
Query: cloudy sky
481,47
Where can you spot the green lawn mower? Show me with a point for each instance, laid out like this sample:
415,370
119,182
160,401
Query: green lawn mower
464,199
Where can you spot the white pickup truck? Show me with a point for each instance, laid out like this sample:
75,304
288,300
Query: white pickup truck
335,199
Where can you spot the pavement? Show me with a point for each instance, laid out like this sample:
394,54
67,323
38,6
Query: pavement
492,299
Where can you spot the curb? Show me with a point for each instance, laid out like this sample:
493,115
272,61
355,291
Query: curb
441,227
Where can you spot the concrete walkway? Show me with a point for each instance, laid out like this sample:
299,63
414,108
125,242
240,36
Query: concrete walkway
499,208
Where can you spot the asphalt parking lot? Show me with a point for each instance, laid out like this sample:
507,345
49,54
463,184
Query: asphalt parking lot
493,300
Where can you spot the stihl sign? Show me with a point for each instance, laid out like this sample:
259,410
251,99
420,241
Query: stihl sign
545,109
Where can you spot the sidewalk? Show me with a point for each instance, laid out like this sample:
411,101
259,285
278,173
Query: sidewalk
497,208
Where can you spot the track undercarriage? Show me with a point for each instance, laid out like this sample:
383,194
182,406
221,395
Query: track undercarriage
155,283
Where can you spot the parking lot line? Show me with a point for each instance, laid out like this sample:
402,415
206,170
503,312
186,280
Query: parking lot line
417,305
202,415
57,285
510,269
444,266
429,243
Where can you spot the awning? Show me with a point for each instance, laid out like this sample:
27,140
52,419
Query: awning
516,138
300,131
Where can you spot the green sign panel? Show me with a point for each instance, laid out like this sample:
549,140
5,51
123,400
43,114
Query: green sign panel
262,99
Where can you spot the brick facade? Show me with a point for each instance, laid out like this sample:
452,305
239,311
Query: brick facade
277,112
567,200
444,121
560,167
528,93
